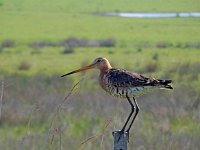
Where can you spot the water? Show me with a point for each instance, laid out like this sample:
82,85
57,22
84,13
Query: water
152,15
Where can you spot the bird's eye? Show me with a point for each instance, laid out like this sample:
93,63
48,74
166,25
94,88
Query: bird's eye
99,60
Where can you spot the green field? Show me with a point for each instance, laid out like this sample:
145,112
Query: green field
35,51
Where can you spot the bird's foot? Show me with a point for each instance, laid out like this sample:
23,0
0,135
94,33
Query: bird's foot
123,133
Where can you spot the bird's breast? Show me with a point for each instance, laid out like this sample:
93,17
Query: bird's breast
103,81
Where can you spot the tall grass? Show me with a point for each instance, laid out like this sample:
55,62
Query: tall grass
1,97
167,118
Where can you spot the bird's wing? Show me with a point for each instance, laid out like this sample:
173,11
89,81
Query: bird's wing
123,78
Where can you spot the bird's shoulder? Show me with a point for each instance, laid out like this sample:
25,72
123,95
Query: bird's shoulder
124,77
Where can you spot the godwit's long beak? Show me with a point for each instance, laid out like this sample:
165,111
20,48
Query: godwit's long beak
79,70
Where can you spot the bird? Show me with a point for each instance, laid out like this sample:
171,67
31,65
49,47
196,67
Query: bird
124,84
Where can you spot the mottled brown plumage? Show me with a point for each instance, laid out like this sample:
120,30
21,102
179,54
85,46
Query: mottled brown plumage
124,84
120,83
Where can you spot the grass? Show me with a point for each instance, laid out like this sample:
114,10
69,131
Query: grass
164,116
163,48
168,63
25,23
55,21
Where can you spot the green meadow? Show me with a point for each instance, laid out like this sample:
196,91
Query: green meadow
41,40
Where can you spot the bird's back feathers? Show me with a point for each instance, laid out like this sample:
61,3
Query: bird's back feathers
119,83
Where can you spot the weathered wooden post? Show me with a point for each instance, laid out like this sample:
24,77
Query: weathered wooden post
120,140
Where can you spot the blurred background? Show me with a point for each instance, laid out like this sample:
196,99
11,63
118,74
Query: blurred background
41,40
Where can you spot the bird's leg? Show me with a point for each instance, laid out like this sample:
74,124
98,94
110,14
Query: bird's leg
136,113
132,110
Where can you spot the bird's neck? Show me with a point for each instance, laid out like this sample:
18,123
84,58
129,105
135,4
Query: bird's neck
105,69
102,79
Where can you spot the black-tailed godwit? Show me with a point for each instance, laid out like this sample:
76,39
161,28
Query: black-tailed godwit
124,84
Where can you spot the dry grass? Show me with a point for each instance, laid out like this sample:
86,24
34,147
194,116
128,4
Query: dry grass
1,97
7,44
24,65
49,121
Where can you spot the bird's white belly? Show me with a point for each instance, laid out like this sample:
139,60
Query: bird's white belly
130,92
137,91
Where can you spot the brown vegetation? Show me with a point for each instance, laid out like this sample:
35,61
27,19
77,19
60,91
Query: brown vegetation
24,65
75,42
33,101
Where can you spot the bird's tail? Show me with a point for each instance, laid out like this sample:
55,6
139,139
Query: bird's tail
163,83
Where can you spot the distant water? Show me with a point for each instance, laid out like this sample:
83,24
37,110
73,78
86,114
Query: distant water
152,15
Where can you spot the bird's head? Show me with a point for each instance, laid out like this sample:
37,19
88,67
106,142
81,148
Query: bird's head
100,63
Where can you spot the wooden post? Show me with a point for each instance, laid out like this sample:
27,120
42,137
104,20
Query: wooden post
120,140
